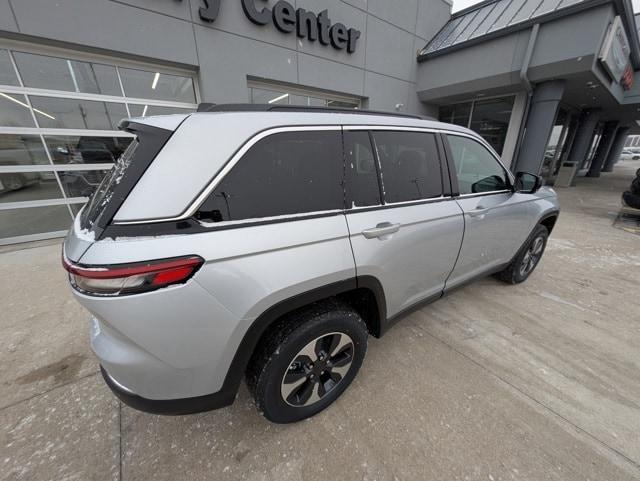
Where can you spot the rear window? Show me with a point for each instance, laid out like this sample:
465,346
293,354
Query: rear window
283,174
128,169
104,192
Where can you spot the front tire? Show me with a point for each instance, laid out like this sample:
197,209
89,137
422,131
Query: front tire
13,182
307,362
527,258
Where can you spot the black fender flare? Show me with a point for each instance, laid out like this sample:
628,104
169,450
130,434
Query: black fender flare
547,215
250,340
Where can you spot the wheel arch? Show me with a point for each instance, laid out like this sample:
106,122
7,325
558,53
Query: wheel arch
364,294
549,220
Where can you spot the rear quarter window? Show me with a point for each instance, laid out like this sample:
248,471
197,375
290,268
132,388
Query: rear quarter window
283,174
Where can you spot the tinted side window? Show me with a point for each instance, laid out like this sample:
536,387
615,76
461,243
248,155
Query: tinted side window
286,173
410,165
362,187
477,169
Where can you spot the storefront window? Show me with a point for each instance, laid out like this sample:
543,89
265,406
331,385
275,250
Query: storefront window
16,150
28,186
341,104
49,166
53,73
307,101
14,111
34,220
7,74
282,96
273,97
489,118
58,113
149,110
156,85
458,114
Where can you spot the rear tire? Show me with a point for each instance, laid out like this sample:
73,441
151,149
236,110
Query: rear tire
307,362
527,258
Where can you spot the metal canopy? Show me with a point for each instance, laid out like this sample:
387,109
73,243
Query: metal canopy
497,17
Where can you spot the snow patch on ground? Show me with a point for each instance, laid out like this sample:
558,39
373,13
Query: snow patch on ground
553,297
604,258
560,244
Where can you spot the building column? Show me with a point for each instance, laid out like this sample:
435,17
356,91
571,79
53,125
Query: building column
606,141
585,160
542,115
579,148
616,149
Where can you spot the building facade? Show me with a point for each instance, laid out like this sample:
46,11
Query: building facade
551,84
528,75
71,69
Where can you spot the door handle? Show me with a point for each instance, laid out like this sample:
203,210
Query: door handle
382,229
478,211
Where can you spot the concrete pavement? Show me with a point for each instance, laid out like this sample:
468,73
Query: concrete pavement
496,382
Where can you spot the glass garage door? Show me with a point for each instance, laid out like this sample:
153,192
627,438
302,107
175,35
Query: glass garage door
58,131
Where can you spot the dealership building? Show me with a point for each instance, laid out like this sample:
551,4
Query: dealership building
550,84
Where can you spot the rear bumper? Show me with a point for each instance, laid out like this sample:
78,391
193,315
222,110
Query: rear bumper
169,407
172,343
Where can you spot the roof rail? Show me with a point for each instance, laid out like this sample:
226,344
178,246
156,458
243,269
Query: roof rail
209,107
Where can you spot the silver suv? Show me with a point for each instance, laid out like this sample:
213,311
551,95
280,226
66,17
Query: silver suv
267,243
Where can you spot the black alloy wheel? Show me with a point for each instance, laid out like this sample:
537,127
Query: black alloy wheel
532,256
527,258
307,361
317,369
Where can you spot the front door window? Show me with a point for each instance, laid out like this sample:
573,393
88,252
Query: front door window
477,169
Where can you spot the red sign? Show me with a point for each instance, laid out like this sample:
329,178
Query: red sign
627,78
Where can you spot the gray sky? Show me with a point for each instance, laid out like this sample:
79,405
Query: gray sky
460,4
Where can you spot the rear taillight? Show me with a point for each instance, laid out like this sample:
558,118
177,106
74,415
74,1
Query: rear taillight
121,279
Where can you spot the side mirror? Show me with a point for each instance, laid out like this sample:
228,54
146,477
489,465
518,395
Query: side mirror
527,183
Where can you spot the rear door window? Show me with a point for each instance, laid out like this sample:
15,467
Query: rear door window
283,174
409,164
477,169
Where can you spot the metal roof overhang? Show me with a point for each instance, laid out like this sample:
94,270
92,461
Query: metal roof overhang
624,8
